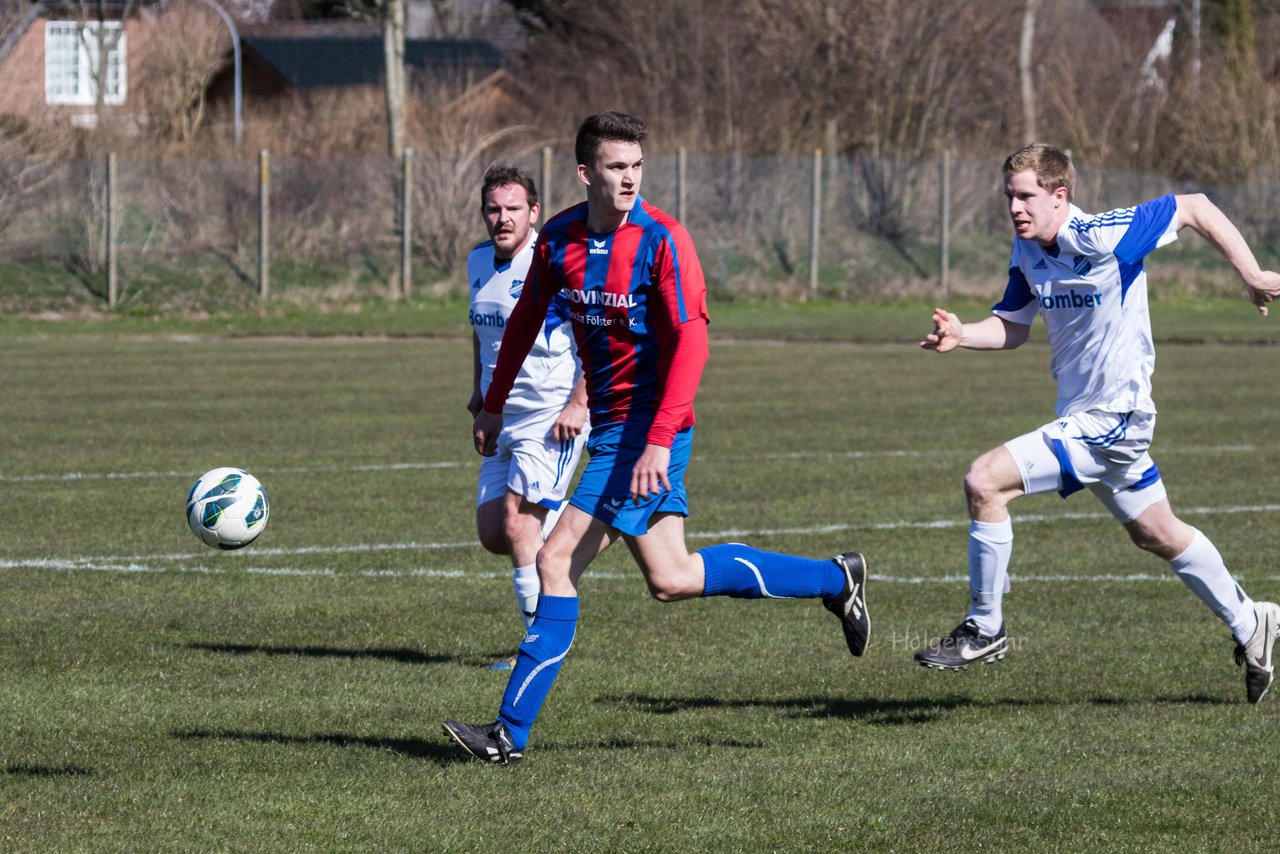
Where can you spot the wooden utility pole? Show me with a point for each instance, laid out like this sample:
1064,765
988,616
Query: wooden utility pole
1024,70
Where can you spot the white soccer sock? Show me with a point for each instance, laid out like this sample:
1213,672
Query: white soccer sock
1201,568
526,585
990,545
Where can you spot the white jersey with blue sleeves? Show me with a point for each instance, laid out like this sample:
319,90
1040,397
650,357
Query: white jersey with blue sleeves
1091,290
547,378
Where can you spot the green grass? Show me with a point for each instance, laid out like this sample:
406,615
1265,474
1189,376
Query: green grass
161,696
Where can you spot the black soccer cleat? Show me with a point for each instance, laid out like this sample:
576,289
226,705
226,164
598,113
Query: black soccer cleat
1256,654
487,742
851,605
964,646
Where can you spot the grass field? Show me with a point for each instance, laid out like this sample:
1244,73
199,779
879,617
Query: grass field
162,696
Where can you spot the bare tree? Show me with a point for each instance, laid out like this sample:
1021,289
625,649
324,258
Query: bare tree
1025,75
390,17
186,50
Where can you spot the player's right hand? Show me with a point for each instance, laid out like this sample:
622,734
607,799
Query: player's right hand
1265,290
485,432
946,334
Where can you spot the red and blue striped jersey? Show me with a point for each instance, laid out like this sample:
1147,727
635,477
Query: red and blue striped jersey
638,304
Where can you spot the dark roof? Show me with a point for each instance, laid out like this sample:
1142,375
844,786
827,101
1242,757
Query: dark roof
309,63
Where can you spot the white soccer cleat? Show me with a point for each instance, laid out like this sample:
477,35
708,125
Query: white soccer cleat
1256,654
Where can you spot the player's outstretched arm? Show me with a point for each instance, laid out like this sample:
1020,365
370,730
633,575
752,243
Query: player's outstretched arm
1196,211
991,333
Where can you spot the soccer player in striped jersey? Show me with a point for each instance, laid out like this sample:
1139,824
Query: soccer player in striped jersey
638,306
521,489
1084,275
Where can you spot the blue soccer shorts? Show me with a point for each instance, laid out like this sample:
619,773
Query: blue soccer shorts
605,488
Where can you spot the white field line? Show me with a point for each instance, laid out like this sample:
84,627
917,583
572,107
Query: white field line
197,562
74,476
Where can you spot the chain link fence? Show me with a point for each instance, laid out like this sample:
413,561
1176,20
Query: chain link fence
190,235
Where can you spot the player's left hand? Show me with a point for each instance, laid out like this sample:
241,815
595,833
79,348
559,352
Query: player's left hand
649,476
946,334
485,432
569,423
1266,289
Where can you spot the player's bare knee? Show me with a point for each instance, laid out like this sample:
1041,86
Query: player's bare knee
672,586
517,530
1159,542
494,541
671,593
553,565
979,486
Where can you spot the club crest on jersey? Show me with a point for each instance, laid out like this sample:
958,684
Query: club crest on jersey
517,286
1081,265
599,247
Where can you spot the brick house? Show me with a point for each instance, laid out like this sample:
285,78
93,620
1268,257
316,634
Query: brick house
48,62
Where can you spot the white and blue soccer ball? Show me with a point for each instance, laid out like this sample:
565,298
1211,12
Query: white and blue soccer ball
227,508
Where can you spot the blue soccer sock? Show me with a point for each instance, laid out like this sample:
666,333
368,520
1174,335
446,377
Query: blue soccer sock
742,572
537,663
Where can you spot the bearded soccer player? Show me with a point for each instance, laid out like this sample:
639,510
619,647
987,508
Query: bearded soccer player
521,489
1083,273
639,314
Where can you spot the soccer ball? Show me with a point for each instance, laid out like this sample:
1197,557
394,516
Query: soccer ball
227,508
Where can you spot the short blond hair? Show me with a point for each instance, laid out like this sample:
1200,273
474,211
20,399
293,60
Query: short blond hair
1051,166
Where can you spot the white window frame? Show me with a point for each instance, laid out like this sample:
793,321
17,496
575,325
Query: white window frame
69,77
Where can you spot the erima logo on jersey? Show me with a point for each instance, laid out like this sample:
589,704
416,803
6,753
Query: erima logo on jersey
604,298
599,247
1070,299
475,286
495,319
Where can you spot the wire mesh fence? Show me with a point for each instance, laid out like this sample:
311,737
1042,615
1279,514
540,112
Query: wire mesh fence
191,235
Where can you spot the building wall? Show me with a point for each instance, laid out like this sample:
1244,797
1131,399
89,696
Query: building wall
22,74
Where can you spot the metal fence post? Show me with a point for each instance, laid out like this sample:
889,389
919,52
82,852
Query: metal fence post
264,223
815,222
544,180
109,205
682,182
944,227
406,222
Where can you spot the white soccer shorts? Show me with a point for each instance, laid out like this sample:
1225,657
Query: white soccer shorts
529,462
1104,451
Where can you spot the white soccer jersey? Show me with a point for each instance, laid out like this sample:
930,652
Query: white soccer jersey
548,375
1091,290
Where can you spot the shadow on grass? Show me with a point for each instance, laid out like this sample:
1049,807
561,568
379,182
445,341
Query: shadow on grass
887,712
652,744
401,655
444,752
1188,700
46,771
894,712
415,748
